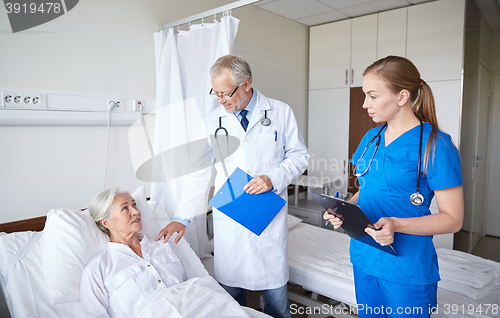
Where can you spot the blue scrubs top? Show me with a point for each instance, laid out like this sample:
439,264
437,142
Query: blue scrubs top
385,191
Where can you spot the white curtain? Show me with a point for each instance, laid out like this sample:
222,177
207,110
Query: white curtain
183,60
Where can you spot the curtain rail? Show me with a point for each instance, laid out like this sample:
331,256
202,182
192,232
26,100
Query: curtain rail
227,7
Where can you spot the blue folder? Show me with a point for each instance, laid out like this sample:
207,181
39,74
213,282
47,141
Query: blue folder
253,211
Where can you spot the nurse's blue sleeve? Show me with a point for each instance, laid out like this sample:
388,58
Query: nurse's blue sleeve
443,170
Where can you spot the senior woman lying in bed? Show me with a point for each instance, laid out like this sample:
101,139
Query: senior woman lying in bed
133,268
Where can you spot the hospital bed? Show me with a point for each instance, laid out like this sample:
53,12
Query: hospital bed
319,263
41,263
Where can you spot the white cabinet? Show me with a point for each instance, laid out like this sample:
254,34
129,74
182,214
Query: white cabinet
436,39
330,55
340,52
363,46
328,137
392,33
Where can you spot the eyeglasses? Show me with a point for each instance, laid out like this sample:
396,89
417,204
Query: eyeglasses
223,96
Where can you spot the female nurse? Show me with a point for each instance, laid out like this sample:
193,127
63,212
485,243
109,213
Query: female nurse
401,166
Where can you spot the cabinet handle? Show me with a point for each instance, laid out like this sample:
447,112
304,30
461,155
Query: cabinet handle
352,76
346,77
344,161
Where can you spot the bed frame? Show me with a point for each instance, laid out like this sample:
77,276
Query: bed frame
33,224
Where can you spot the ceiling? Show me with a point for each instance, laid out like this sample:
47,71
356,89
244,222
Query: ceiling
314,12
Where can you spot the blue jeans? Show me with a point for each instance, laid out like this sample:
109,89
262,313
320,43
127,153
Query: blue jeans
377,297
276,303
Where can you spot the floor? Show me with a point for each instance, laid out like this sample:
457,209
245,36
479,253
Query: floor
253,299
488,247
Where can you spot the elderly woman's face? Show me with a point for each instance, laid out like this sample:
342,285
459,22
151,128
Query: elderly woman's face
125,217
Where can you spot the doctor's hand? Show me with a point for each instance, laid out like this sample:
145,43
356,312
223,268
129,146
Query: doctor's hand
168,230
385,233
258,185
334,220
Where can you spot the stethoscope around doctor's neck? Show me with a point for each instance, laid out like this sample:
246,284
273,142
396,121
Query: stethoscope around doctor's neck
264,122
416,198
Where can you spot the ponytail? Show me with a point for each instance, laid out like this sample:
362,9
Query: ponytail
424,107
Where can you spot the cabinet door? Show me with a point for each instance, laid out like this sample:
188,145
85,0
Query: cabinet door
329,55
363,46
328,136
392,33
436,39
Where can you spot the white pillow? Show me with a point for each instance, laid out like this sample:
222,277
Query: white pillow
71,239
292,221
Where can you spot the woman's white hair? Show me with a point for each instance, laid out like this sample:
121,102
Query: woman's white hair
101,206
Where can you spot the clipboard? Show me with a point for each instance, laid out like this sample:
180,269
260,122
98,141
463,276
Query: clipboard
354,220
254,211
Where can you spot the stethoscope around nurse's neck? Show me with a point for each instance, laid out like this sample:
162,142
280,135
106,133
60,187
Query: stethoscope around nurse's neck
416,198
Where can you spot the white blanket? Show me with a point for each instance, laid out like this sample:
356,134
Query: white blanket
465,277
471,292
327,251
467,274
206,299
468,262
461,272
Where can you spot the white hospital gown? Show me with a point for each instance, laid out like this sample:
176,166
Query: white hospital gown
117,282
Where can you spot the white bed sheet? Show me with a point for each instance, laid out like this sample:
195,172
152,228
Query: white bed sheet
324,270
328,272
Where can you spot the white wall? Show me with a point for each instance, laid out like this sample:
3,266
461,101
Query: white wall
278,50
105,48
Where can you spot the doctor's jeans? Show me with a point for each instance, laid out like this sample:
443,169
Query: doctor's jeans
380,298
276,303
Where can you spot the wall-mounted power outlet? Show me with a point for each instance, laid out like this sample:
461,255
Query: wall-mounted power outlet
28,100
118,104
137,105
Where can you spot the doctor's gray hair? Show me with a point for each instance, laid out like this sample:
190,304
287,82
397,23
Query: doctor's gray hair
238,68
101,206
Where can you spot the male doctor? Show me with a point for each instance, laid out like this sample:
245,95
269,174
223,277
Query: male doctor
274,152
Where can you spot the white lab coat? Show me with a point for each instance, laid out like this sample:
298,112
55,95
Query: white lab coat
241,258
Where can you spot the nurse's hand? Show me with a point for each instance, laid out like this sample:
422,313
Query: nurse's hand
168,230
334,220
385,233
258,185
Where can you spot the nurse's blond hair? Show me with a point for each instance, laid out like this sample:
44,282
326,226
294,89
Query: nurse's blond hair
400,74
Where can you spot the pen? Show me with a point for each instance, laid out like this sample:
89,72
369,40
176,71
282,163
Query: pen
392,248
336,195
275,135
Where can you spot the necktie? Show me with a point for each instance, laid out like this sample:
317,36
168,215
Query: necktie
244,119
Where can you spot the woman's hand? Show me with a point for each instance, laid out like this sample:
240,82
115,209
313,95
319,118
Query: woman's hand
385,233
332,218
